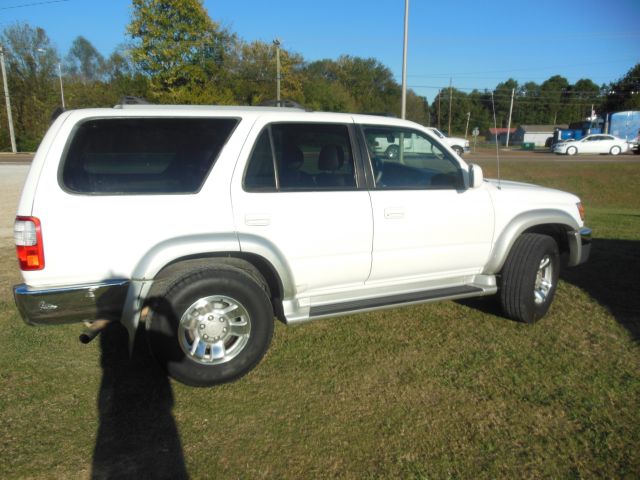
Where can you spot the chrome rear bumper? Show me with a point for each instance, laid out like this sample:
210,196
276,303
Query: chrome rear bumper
78,303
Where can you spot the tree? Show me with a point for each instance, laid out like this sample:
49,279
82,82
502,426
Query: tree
528,107
370,82
31,69
461,105
553,95
84,62
624,94
178,47
254,80
417,108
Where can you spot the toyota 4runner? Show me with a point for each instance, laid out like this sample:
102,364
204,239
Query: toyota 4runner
198,225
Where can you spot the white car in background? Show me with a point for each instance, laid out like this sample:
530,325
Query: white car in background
458,145
597,143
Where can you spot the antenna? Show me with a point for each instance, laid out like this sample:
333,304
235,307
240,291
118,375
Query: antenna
495,128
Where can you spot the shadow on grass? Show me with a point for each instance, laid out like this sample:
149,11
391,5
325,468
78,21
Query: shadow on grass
611,278
137,436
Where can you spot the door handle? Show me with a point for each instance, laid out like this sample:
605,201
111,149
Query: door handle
394,213
257,220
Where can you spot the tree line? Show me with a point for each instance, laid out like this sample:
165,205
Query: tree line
175,53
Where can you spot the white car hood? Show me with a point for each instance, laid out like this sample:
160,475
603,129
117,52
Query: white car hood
508,188
511,199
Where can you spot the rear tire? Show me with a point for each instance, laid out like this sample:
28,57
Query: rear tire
615,150
529,277
211,326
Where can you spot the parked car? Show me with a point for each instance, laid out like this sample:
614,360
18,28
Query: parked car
597,143
458,145
196,226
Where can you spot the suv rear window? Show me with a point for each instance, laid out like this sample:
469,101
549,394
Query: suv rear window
303,156
143,155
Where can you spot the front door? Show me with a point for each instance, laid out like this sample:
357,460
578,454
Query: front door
427,225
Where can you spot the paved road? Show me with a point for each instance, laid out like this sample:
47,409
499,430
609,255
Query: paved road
542,156
12,178
480,155
15,158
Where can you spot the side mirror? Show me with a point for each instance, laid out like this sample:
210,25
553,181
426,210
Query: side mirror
475,175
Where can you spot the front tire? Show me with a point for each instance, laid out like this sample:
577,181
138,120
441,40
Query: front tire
211,326
459,150
530,277
572,151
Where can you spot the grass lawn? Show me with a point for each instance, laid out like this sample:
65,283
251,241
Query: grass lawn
436,391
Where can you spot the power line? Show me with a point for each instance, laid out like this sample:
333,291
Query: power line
33,4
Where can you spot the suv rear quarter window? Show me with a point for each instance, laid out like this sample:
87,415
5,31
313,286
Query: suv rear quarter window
143,155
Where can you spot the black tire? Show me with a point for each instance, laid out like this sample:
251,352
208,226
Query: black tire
572,151
615,150
526,288
459,150
193,311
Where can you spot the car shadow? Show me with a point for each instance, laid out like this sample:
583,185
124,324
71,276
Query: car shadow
609,277
137,434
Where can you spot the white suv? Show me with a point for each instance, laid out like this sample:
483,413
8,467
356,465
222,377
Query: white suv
202,224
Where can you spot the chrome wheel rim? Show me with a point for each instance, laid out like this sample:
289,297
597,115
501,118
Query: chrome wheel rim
544,280
214,330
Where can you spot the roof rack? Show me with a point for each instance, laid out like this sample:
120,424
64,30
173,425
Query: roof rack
282,103
132,100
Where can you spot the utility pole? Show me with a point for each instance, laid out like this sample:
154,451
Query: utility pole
61,88
8,101
466,129
439,95
42,50
450,101
403,109
276,42
513,91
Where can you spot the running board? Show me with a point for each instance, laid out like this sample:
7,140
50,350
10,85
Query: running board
378,303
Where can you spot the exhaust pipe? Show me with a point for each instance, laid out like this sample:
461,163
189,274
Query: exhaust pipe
93,330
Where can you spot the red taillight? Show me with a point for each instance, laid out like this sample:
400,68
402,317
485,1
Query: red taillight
28,237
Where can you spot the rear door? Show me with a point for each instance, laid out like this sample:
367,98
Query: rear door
298,194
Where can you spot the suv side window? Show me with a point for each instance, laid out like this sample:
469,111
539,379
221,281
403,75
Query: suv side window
301,156
143,155
408,159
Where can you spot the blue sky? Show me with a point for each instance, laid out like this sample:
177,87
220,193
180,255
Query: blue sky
476,44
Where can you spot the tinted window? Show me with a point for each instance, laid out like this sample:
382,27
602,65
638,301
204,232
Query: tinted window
143,155
301,157
402,158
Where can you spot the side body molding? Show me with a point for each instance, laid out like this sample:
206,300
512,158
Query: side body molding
518,225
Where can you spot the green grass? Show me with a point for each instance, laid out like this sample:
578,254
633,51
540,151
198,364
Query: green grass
447,390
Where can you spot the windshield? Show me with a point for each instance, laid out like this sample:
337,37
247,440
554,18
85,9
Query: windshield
438,132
